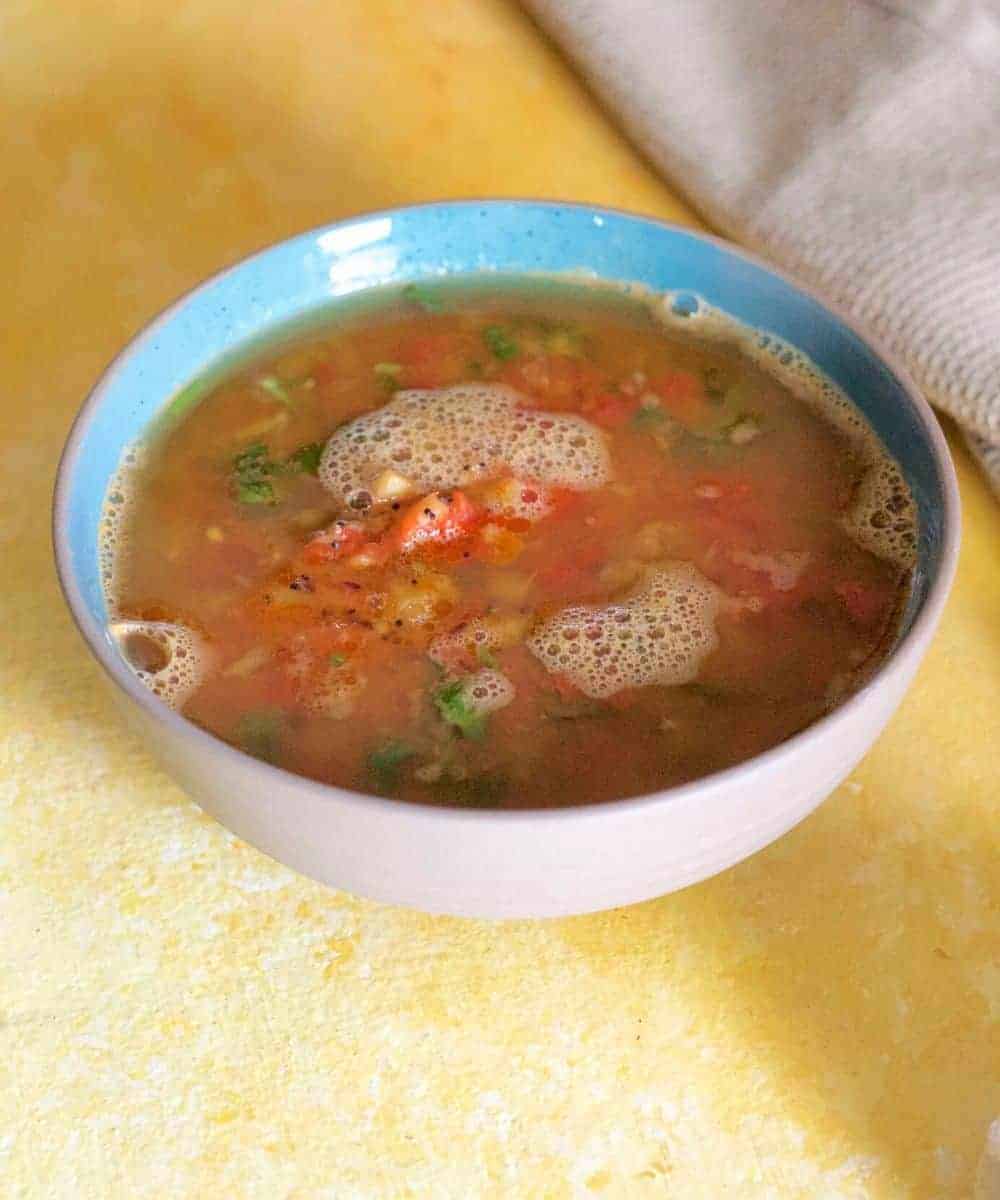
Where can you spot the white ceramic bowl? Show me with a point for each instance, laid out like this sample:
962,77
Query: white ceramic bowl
501,863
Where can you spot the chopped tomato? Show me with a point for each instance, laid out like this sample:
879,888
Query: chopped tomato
564,500
864,604
429,359
565,687
681,394
613,409
498,542
555,381
336,541
439,518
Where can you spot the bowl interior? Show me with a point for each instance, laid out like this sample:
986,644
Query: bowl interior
293,280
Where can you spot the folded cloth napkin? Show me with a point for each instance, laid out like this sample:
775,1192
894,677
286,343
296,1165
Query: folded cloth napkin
855,143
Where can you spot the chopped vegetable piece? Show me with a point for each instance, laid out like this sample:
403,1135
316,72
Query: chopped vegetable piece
259,733
337,541
255,491
423,297
480,791
247,663
649,416
275,388
613,409
385,761
306,459
486,656
501,343
715,385
565,341
682,395
454,707
337,660
251,467
743,429
438,518
387,374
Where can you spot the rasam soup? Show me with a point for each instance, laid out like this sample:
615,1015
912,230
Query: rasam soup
516,544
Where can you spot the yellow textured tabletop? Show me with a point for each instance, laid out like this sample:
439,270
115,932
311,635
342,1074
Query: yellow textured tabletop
182,1018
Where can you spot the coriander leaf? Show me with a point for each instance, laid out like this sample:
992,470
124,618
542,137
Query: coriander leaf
255,491
253,458
423,297
384,762
275,388
251,468
453,705
337,660
259,733
306,459
481,791
500,342
387,374
647,417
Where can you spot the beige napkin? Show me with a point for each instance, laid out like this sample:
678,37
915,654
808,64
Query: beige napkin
855,144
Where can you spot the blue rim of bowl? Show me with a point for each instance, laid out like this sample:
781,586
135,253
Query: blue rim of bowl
911,642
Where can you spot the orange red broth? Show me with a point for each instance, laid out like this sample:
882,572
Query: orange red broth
286,625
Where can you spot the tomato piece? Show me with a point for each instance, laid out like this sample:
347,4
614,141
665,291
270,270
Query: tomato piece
498,543
555,381
438,519
864,604
429,359
338,540
681,393
564,687
613,409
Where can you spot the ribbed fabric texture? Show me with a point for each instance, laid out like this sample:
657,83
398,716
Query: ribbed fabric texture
856,144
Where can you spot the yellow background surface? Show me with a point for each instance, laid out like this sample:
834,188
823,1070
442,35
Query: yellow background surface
181,1017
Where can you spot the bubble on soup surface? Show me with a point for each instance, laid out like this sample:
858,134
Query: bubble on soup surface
112,533
454,436
882,517
169,659
658,634
487,690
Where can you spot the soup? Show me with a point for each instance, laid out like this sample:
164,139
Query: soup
509,544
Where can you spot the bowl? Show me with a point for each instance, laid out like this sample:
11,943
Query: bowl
530,863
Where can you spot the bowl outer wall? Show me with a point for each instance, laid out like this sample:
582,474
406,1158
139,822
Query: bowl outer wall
501,863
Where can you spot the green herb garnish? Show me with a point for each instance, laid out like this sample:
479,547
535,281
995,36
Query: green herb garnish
276,389
251,468
306,459
647,417
259,733
385,761
481,791
423,297
337,660
453,705
387,374
500,342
